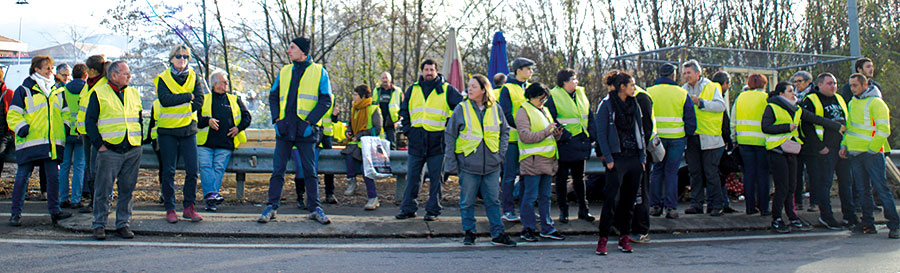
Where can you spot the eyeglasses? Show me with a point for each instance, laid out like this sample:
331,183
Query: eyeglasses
179,56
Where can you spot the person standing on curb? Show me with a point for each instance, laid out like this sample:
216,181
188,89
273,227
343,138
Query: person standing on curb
73,157
512,96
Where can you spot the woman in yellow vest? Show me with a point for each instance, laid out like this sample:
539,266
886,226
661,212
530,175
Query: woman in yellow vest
621,138
475,140
180,92
780,122
746,115
97,65
365,120
223,119
35,116
537,161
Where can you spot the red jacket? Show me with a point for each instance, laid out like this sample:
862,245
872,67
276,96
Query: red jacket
7,97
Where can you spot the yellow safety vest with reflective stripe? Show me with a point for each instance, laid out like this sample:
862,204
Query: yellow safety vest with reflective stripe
308,89
748,112
709,123
339,131
540,120
70,112
783,117
119,118
83,101
639,90
393,104
431,114
820,110
156,107
369,111
517,97
668,110
206,111
868,125
179,115
572,113
473,134
326,121
43,115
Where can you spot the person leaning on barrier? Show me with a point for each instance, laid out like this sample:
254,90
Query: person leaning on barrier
865,143
425,109
114,121
365,120
73,157
780,123
298,100
35,115
223,119
97,66
474,145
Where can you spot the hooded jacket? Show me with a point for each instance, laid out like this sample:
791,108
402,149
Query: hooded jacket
480,162
420,142
768,118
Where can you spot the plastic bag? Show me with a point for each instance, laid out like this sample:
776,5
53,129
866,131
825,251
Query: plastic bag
376,157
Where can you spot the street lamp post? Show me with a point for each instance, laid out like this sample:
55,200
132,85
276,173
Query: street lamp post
19,53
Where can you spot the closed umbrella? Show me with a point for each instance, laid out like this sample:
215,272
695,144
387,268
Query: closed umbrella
452,68
498,62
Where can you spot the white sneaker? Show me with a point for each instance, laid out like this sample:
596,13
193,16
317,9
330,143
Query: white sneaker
510,217
351,186
372,204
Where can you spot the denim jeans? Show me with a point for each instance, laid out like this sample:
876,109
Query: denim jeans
73,158
537,187
414,183
354,167
171,148
510,172
821,169
21,184
664,175
298,177
212,168
307,163
869,174
756,176
846,191
121,170
489,186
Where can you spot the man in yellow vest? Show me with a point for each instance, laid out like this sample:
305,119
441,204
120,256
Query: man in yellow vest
223,119
424,111
675,119
299,99
113,122
512,95
821,146
388,98
705,147
329,134
866,142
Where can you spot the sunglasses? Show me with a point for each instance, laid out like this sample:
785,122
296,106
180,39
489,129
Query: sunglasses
178,56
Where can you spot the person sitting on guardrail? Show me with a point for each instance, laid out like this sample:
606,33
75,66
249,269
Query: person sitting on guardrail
365,120
538,157
35,114
475,142
223,119
299,98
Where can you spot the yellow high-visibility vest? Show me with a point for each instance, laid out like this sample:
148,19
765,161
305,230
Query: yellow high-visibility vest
668,110
206,111
868,126
119,119
83,101
540,120
181,115
573,113
820,110
748,112
517,97
431,114
709,123
474,133
783,117
307,93
43,116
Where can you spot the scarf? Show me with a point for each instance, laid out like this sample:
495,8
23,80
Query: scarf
182,73
360,115
44,83
625,112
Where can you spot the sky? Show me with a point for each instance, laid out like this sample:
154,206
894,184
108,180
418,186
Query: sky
44,22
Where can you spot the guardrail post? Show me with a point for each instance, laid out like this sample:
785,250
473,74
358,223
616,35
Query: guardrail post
240,178
401,186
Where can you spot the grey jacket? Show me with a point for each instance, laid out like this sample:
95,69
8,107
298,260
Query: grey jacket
718,104
482,161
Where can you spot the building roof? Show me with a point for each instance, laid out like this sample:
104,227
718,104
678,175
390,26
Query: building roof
79,51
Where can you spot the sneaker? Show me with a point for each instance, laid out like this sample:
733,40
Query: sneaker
171,216
715,212
87,209
625,244
210,207
587,217
894,233
639,238
555,235
728,210
77,205
330,199
528,235
469,239
861,229
300,204
99,233
351,186
811,208
190,213
319,216
15,220
765,213
54,218
210,198
656,211
430,217
267,215
219,198
503,240
693,210
66,204
405,215
779,226
510,217
671,213
125,233
601,246
830,223
800,225
372,204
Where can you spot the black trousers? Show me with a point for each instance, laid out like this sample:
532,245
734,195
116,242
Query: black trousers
784,172
576,169
622,183
640,223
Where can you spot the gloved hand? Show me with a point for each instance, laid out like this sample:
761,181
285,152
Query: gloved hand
24,131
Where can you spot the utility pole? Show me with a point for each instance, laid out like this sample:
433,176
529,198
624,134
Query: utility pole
853,18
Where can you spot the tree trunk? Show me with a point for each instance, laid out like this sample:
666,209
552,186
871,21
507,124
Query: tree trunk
224,44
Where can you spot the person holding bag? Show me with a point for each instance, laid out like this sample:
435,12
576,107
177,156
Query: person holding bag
365,120
780,123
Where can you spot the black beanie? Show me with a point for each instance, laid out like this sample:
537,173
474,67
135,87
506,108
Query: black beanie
303,43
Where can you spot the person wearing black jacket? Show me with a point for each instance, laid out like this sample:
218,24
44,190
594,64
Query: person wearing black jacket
822,146
863,66
782,164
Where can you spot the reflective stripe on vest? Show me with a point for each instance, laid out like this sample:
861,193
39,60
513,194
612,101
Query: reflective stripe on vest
668,109
83,101
156,107
43,115
119,118
748,112
70,116
517,98
783,117
540,120
181,115
709,123
865,122
572,113
325,121
308,89
431,113
393,103
206,111
473,134
820,110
